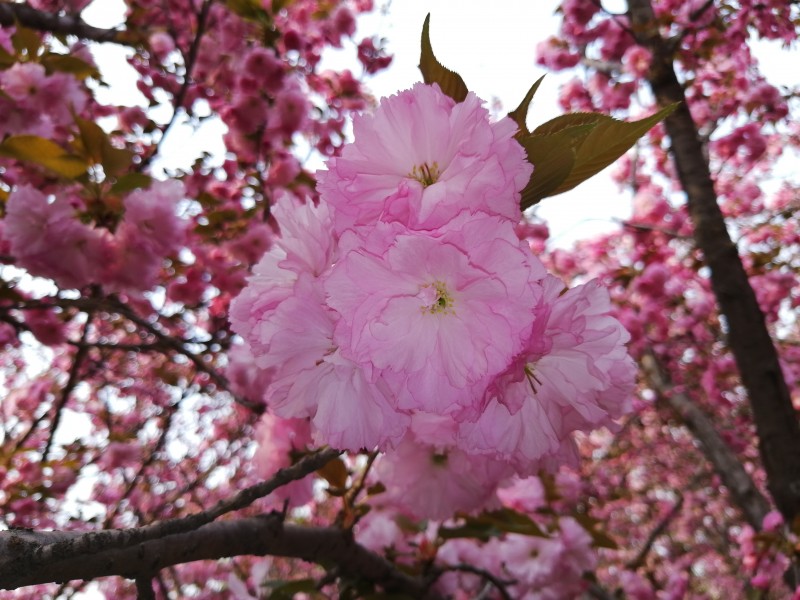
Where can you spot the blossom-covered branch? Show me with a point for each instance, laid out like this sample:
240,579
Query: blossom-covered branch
726,464
775,416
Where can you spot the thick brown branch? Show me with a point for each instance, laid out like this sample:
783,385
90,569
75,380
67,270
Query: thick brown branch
115,539
263,535
743,491
756,358
13,13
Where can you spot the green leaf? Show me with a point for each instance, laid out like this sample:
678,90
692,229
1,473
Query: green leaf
26,40
129,182
250,10
434,72
568,121
520,114
99,150
511,521
600,538
493,524
609,140
44,152
553,158
65,63
594,140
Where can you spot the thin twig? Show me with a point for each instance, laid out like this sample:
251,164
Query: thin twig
662,525
499,584
189,62
77,362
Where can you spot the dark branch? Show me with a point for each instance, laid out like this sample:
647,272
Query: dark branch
775,418
743,491
499,584
66,392
189,61
260,536
14,13
659,529
119,539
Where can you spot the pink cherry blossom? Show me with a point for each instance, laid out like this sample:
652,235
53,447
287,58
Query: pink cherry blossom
434,307
573,375
420,159
428,480
278,441
47,238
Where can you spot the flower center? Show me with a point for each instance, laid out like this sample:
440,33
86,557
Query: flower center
530,375
426,174
439,459
436,299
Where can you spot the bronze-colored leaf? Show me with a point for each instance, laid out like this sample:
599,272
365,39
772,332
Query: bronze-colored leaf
433,71
335,473
520,114
553,158
44,152
609,139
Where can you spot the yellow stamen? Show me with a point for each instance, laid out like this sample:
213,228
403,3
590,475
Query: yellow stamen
426,174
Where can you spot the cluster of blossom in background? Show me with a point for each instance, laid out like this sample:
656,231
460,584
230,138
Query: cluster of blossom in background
404,313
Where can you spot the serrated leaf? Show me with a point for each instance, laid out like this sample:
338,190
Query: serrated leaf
520,114
44,152
553,158
608,140
65,63
433,71
565,122
335,473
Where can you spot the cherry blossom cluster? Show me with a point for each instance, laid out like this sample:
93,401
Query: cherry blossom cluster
403,312
48,238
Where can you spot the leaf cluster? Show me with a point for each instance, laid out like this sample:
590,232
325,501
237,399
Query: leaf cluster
564,151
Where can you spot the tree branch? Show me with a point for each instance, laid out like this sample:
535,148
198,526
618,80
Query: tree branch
743,491
260,536
41,555
72,382
15,13
658,530
748,337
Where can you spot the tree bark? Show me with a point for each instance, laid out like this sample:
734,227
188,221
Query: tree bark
756,358
740,485
259,536
15,13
